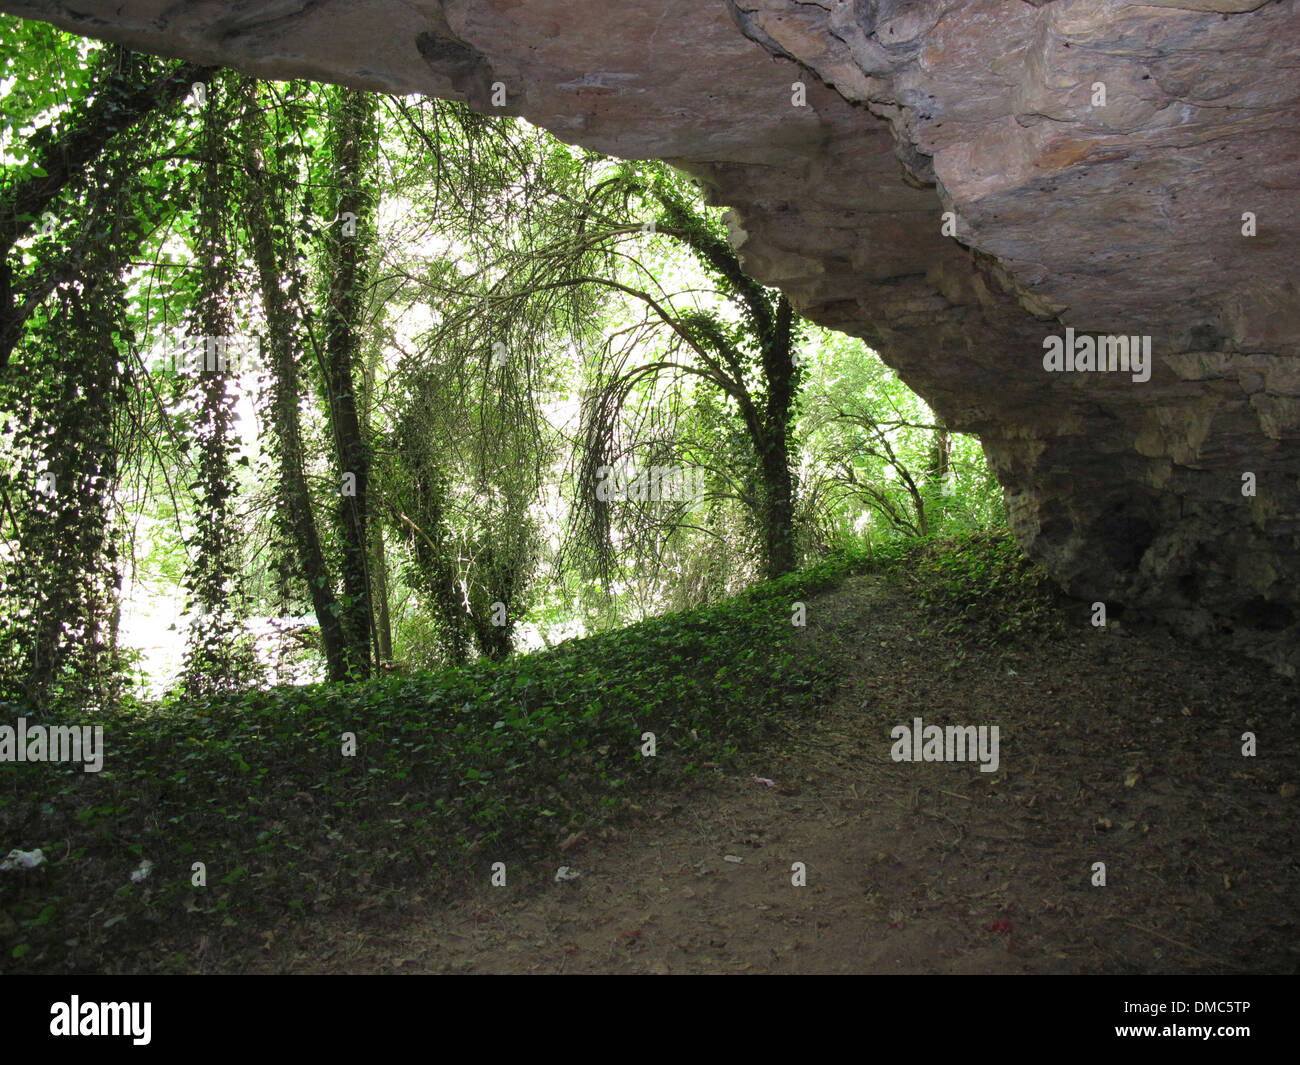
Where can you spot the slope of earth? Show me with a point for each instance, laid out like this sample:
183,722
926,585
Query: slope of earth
1116,747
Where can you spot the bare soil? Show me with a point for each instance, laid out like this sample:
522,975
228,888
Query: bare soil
1116,745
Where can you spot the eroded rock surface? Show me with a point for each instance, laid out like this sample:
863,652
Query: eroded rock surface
1103,162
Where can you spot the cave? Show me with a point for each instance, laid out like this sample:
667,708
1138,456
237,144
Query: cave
955,184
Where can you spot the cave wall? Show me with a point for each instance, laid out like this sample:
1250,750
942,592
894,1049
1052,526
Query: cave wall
1114,218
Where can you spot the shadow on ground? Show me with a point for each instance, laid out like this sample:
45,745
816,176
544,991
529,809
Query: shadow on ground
1116,746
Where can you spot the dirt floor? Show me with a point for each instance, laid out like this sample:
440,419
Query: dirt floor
1117,747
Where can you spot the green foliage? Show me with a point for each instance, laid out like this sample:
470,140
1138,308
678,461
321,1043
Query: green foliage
49,70
218,654
75,415
979,586
503,322
879,465
454,770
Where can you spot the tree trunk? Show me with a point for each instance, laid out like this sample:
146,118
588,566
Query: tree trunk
345,307
215,655
379,574
266,220
778,508
940,460
778,483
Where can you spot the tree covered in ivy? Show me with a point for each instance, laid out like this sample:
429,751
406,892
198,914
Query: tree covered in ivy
352,373
73,213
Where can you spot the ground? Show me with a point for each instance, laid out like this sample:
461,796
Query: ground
1117,745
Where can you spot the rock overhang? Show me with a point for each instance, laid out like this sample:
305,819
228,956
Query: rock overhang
1102,162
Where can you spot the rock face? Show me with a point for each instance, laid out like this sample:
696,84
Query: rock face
958,183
